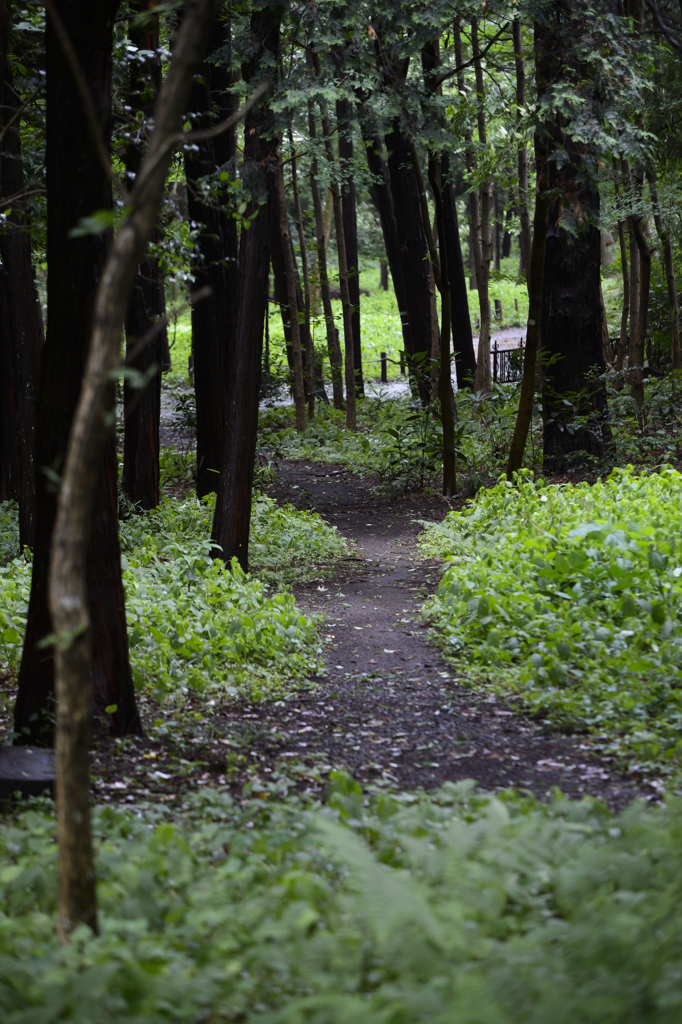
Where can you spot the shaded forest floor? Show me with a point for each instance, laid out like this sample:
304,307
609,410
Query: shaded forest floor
389,709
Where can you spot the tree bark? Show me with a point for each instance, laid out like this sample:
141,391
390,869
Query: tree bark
666,246
524,416
309,352
232,520
383,197
291,282
350,233
465,357
213,319
77,185
638,347
21,327
483,380
438,176
413,250
349,357
333,346
142,407
522,161
571,306
89,435
623,336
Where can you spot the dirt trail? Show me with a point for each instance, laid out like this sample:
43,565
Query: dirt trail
390,707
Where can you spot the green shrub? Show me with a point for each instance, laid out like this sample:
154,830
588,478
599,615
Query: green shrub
419,910
192,623
571,597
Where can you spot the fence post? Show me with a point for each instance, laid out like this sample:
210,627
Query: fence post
384,368
498,310
402,361
495,361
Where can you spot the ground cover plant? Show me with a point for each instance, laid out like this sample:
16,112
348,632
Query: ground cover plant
386,909
192,623
570,599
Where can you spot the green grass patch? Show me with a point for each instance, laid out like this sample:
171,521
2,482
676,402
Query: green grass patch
194,625
570,598
386,910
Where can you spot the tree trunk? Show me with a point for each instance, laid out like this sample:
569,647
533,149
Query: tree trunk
232,520
383,197
412,248
77,185
623,336
350,233
142,407
438,170
91,432
522,162
333,346
483,381
21,327
291,282
571,307
638,348
460,319
213,319
666,246
309,352
524,417
383,275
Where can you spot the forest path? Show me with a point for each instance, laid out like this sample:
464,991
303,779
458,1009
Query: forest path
390,707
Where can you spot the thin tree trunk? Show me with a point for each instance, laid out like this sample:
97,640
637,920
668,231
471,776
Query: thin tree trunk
460,319
213,319
21,327
77,186
298,385
350,233
147,304
638,352
437,180
310,355
522,162
383,197
351,419
666,246
524,416
333,347
88,438
622,349
232,520
483,381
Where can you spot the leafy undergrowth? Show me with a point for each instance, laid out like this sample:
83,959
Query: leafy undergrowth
399,440
571,597
389,910
193,624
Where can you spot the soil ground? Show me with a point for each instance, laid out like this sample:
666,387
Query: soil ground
389,709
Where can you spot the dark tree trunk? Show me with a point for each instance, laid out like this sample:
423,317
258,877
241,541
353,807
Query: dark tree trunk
383,275
232,520
213,319
350,232
21,327
279,273
147,304
411,243
383,198
77,185
462,339
571,303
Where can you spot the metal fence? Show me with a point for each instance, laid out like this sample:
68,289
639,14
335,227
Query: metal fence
507,363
